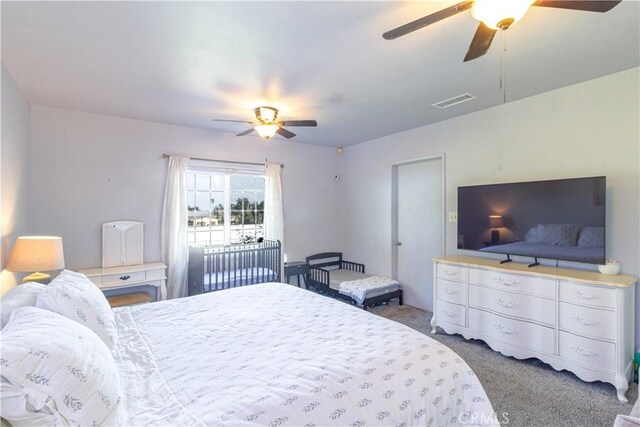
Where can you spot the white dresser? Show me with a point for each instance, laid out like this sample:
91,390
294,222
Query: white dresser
576,320
130,276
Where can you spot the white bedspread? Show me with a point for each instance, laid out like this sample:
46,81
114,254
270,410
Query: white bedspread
272,354
358,289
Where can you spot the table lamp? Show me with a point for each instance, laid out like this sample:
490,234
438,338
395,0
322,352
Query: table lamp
495,222
36,253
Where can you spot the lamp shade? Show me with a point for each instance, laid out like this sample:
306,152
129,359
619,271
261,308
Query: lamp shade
495,221
37,253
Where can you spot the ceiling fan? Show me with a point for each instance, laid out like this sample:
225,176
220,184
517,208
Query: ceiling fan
496,15
267,124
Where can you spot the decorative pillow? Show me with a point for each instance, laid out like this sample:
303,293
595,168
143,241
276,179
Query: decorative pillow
56,372
78,280
21,296
532,235
558,234
79,299
591,237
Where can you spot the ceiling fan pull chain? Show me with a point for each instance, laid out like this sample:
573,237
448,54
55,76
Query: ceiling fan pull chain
503,78
501,59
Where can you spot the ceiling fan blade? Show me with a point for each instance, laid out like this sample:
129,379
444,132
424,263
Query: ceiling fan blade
481,41
308,123
427,20
246,132
232,121
586,5
285,133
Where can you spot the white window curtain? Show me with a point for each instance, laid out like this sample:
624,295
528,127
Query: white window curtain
174,245
273,207
225,167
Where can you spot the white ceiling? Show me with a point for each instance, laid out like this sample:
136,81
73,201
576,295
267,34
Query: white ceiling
185,63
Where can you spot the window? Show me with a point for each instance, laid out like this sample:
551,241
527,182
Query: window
225,207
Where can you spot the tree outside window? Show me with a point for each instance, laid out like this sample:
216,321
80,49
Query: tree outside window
224,208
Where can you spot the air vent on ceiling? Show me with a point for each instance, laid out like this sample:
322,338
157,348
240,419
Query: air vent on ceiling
454,101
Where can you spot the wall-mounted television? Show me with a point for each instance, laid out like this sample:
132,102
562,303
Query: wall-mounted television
561,219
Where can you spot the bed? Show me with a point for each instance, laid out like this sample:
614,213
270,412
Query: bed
590,255
330,274
270,354
569,242
214,268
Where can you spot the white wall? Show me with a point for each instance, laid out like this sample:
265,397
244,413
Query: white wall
88,169
14,171
588,129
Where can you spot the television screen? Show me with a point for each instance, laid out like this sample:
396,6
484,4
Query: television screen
560,219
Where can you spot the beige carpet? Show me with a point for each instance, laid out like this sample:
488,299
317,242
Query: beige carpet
529,391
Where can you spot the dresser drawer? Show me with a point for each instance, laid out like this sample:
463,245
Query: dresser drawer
596,296
452,272
587,352
454,292
452,313
518,305
522,334
116,279
155,274
533,285
591,322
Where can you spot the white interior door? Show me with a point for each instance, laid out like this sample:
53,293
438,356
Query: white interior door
418,227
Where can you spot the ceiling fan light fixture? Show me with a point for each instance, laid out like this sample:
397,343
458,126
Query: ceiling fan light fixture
266,131
266,115
267,124
500,14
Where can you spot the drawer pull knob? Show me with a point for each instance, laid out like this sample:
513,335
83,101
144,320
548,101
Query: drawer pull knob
506,330
506,304
584,352
448,314
586,322
587,295
451,291
125,277
506,282
450,272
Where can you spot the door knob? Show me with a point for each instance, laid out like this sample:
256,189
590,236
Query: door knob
398,243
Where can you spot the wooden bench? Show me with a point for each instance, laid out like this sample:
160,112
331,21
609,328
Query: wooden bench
129,299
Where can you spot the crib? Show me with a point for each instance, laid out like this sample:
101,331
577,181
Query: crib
214,268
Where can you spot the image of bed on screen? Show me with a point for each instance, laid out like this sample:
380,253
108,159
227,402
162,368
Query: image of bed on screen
557,219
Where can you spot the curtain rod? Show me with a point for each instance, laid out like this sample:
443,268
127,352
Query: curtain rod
166,156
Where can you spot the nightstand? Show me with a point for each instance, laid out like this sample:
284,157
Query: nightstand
296,268
129,279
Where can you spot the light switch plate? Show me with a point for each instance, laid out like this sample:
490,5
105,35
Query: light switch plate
453,216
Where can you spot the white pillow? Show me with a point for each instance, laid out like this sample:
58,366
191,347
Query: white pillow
79,299
591,237
79,280
21,296
558,234
56,372
532,235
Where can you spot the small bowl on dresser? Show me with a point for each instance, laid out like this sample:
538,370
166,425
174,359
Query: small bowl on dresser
610,269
